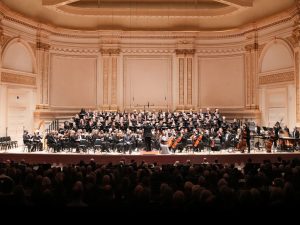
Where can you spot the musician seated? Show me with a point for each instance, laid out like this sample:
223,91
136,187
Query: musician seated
27,141
296,133
37,141
164,146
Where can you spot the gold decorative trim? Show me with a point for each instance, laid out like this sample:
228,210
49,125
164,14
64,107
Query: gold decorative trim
17,79
185,51
110,51
276,78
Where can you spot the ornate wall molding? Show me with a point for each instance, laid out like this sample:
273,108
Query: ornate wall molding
75,50
42,46
185,51
147,51
251,47
110,51
17,79
277,78
262,24
4,39
219,51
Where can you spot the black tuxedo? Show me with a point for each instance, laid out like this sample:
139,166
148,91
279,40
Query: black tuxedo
147,135
296,134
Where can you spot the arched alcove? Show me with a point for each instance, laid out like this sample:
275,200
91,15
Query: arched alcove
276,55
18,56
277,99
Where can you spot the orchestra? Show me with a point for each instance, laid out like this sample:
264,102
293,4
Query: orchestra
127,132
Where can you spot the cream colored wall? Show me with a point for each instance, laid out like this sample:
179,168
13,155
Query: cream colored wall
221,82
16,110
17,57
278,56
20,108
147,79
73,81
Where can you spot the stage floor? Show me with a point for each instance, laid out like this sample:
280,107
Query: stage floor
222,156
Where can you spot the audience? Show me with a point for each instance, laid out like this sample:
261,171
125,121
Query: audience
185,187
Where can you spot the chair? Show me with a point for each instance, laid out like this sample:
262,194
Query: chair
97,144
83,144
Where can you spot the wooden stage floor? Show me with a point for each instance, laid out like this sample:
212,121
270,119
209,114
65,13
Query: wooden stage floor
223,156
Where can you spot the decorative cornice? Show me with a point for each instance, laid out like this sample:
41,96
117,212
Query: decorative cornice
75,50
64,32
110,51
185,51
17,79
146,50
277,78
219,51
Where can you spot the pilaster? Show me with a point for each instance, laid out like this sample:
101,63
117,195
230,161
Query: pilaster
185,83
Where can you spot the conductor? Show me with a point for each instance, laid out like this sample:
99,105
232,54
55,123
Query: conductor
147,135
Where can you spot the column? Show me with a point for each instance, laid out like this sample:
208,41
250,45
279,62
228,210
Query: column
295,40
110,78
105,82
251,76
114,64
185,82
3,88
43,57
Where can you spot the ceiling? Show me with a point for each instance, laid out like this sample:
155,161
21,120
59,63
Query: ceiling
148,14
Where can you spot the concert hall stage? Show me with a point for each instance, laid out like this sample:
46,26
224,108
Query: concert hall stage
223,156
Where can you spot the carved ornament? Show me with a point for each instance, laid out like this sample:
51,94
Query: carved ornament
110,51
17,79
276,78
43,46
185,51
251,47
74,50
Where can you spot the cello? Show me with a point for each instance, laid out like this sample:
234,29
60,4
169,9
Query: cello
198,141
174,146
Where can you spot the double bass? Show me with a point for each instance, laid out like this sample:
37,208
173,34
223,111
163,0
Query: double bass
241,146
269,142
